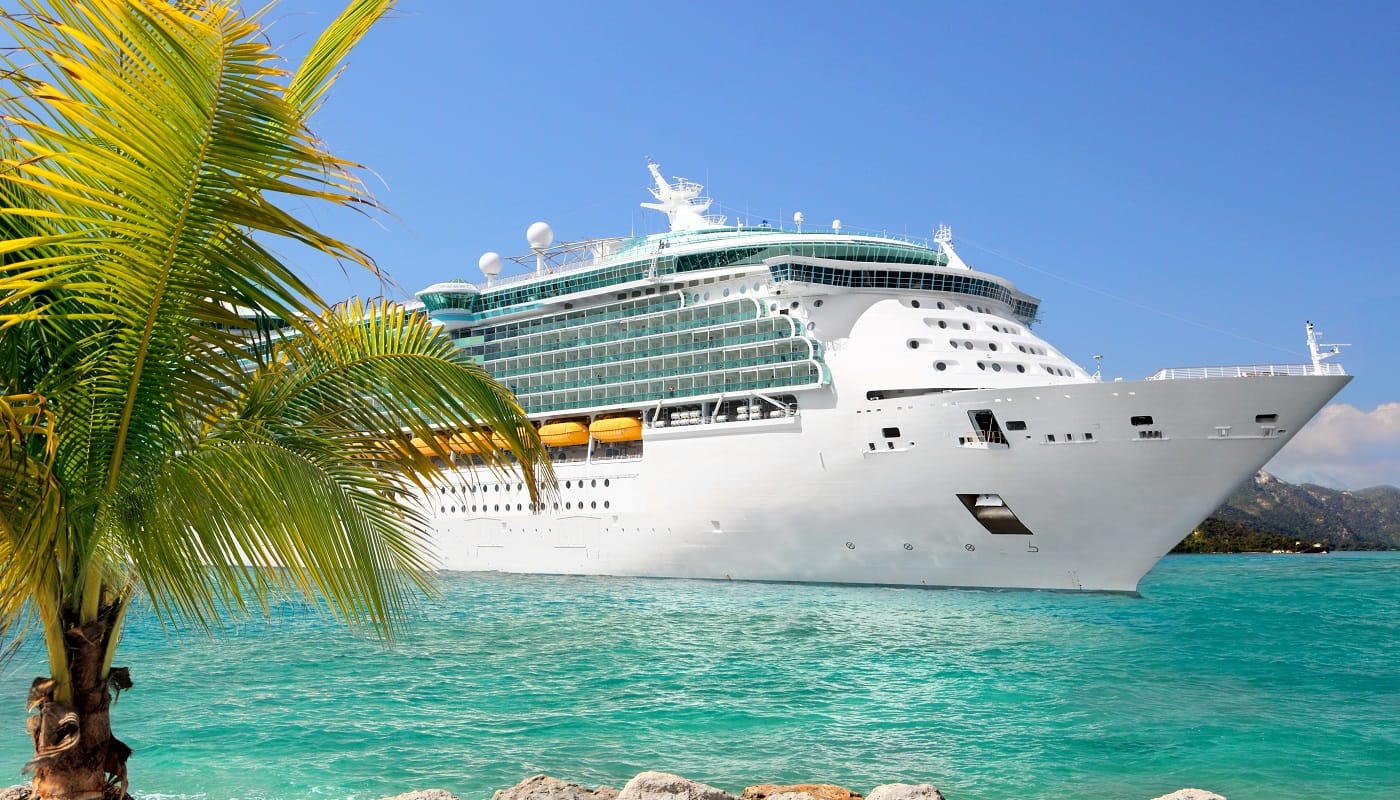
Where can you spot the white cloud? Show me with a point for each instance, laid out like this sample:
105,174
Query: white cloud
1345,448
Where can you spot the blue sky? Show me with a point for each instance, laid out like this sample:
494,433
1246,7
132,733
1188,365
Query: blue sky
1181,184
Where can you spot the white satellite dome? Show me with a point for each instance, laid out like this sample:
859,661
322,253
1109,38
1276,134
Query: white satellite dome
540,236
490,264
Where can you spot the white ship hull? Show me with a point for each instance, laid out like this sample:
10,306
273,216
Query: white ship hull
806,498
835,407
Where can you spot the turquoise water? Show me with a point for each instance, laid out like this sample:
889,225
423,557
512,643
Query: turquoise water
1254,676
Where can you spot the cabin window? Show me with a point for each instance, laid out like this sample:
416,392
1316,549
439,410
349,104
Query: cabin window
890,433
1262,418
1144,419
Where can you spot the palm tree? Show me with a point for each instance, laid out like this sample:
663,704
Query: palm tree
149,445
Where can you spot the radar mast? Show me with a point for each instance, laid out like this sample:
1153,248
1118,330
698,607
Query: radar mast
681,202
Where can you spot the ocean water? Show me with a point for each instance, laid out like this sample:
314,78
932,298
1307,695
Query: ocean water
1254,676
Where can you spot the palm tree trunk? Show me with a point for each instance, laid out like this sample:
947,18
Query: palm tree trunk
76,757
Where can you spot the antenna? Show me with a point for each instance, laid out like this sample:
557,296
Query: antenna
943,237
797,220
836,225
1098,367
1320,352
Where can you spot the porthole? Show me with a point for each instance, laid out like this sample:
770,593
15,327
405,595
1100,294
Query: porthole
1021,347
454,509
981,366
772,306
743,288
996,367
556,506
992,347
593,504
569,506
568,484
607,481
940,366
943,323
1020,367
967,345
442,509
607,504
967,326
795,304
707,297
594,483
726,291
954,343
913,344
496,507
940,305
818,303
914,303
811,326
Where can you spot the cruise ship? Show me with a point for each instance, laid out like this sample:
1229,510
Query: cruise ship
729,401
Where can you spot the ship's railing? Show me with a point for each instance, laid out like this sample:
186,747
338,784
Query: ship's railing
592,253
1250,371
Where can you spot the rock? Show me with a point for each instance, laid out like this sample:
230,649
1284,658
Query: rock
664,786
15,793
1191,794
423,794
543,787
800,791
905,791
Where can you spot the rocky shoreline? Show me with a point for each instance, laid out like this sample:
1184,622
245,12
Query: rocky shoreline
664,786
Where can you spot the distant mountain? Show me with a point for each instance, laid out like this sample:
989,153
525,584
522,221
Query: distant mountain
1272,514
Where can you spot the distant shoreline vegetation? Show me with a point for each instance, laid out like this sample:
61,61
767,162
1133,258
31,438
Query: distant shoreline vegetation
1219,536
1267,515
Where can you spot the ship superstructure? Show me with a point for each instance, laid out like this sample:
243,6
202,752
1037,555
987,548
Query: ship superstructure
731,401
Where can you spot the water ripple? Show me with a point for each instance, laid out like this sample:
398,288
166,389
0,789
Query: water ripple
1256,676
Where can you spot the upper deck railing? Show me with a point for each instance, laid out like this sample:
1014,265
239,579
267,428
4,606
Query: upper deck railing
576,256
1251,371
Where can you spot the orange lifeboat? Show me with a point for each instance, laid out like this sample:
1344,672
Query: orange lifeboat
564,434
463,444
422,446
616,429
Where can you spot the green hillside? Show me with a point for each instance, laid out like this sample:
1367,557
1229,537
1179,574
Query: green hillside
1269,514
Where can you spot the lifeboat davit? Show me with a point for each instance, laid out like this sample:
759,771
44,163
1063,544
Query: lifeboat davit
564,434
616,429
